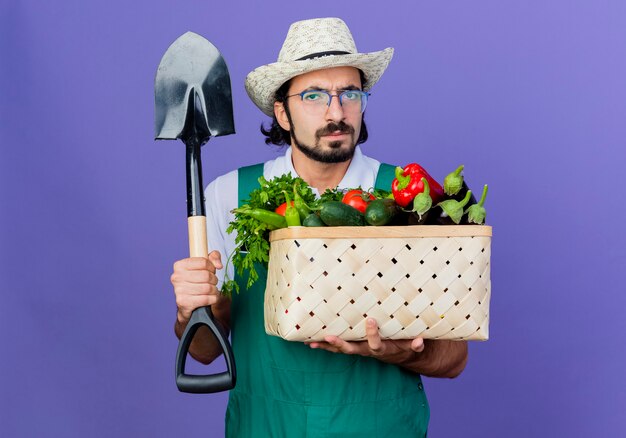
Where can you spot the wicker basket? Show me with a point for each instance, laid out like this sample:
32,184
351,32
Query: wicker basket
429,281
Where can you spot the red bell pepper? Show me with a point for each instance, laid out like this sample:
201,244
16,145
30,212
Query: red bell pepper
408,184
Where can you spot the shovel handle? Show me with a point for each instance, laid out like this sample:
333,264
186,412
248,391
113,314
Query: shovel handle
197,236
203,316
208,383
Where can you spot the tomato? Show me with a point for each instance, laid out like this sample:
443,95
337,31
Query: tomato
358,199
282,208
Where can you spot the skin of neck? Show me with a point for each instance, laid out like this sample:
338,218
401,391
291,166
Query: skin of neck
319,175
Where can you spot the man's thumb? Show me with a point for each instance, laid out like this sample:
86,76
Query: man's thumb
216,258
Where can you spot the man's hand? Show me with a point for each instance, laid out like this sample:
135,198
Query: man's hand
431,358
195,284
390,351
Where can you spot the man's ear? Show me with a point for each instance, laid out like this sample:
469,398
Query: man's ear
281,115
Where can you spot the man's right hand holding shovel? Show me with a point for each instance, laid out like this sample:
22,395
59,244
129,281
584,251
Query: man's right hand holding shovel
195,285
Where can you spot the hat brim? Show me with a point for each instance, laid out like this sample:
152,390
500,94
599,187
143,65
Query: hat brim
262,83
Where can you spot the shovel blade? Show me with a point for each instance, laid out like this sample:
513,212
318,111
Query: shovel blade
192,92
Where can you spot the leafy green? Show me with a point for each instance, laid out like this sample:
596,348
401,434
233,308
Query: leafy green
252,238
330,195
381,194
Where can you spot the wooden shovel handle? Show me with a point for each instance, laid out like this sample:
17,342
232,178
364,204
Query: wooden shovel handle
197,236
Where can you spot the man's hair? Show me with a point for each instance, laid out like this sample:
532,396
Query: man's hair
277,135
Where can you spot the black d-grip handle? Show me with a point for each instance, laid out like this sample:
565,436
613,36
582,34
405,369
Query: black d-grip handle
210,383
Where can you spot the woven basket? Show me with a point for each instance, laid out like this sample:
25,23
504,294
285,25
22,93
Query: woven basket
428,281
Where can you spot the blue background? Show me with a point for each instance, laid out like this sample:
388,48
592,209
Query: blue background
530,96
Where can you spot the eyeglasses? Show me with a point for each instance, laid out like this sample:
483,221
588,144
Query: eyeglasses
350,100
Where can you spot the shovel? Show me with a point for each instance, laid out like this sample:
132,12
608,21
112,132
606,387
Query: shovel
193,103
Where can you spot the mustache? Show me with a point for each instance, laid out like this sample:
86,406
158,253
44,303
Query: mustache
333,127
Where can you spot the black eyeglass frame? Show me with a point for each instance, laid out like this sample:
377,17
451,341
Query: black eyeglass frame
340,93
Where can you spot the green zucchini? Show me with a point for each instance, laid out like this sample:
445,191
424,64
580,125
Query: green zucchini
313,220
381,212
338,214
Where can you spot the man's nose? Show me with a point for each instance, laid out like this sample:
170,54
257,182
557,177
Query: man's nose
335,110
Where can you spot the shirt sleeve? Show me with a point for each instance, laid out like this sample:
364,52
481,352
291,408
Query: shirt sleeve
220,197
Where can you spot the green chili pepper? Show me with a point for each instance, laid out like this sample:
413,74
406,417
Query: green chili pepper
269,218
291,213
303,209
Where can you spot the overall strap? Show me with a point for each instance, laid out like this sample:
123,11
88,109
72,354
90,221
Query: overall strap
248,180
386,174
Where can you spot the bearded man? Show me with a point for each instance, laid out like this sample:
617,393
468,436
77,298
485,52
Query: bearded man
316,94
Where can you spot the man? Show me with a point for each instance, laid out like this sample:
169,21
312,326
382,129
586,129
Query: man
316,94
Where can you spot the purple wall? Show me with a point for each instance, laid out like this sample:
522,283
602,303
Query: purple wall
531,98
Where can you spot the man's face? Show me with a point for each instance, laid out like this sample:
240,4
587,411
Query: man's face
323,133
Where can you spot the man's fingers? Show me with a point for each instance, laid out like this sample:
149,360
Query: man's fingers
417,345
335,345
373,337
373,347
346,347
216,258
197,269
324,346
385,350
339,344
194,264
200,277
195,289
189,303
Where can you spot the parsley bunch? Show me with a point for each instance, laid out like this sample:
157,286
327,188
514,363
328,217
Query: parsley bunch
330,195
252,239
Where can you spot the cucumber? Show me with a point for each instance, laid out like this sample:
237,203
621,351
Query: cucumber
313,220
338,214
381,212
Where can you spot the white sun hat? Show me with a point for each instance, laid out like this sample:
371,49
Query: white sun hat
313,45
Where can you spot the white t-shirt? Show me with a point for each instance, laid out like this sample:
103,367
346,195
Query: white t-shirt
221,196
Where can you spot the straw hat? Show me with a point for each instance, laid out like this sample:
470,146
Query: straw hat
313,45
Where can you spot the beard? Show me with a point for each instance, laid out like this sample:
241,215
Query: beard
336,154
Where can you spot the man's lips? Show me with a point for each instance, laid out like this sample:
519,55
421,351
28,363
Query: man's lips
335,134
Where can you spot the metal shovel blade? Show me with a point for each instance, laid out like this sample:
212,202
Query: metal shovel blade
192,84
